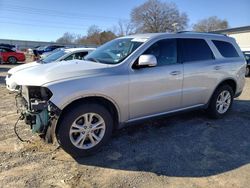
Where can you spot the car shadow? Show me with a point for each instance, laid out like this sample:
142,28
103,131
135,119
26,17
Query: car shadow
4,69
186,145
2,79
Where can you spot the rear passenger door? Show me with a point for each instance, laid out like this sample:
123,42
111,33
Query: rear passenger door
198,79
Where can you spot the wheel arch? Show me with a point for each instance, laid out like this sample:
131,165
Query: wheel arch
108,103
229,81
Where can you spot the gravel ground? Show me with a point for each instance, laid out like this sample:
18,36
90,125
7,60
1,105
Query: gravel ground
187,150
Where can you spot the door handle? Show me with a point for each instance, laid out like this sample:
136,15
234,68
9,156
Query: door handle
175,73
217,67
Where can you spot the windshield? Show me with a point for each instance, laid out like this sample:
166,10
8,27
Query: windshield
54,56
114,51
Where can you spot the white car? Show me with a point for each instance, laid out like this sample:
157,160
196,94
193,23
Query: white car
60,55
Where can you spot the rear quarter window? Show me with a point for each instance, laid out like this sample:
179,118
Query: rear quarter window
226,49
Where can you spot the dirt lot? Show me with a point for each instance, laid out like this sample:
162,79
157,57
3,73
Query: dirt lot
186,150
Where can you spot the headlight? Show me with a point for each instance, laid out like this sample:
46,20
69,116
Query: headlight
37,92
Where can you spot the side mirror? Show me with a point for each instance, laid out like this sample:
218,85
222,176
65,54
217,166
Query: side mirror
147,60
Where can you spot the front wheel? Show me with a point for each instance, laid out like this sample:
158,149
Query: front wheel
221,101
84,129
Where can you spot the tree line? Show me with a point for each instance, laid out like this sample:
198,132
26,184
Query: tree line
153,16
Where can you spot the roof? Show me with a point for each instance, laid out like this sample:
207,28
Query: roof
234,30
178,34
79,49
144,35
4,47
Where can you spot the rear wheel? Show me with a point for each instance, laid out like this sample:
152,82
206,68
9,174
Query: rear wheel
221,101
12,60
84,129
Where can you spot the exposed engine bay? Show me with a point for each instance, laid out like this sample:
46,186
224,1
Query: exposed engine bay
35,108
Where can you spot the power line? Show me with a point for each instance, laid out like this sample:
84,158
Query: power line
47,26
69,17
35,21
47,12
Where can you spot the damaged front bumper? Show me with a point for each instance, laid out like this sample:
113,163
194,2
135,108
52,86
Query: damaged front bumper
36,109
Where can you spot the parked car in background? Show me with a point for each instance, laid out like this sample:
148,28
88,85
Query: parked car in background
247,56
46,54
8,46
67,54
129,79
59,55
44,49
11,56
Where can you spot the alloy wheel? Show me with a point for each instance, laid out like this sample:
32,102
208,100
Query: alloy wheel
223,102
87,130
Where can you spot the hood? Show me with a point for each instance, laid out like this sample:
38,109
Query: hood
51,72
21,67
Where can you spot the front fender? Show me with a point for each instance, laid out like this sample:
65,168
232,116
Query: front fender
113,90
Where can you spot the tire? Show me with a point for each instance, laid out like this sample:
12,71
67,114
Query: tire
68,130
247,71
214,109
12,60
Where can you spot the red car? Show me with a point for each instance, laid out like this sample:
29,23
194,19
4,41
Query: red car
11,56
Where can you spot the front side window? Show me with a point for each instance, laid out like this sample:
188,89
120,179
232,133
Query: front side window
114,51
165,52
78,55
195,50
226,49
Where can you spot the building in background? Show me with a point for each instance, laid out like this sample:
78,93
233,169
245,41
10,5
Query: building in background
23,44
241,35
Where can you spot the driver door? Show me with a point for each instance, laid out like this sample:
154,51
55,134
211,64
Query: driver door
156,90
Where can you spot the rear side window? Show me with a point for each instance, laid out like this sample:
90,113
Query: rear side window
195,50
226,49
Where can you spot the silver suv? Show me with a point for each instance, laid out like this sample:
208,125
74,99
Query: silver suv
129,79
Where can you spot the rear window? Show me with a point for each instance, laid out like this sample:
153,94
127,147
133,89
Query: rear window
196,50
225,48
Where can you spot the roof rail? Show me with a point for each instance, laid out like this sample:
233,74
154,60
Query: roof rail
196,32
